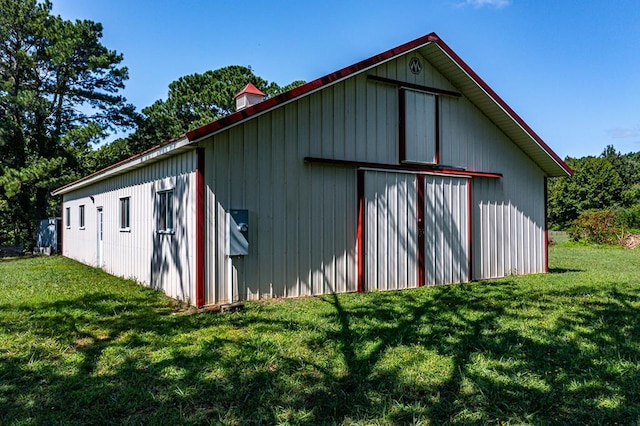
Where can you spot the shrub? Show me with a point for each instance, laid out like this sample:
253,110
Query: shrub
597,226
629,217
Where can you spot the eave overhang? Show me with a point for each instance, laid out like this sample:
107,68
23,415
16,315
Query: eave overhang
157,153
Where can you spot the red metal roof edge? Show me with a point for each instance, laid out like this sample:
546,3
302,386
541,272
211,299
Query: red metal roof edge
235,117
251,89
501,102
344,72
114,165
306,88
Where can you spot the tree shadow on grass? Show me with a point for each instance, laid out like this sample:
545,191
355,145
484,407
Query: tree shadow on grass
558,270
460,354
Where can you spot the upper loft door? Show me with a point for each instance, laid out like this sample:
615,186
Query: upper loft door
419,128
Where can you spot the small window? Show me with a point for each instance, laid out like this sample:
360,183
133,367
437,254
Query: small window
125,223
68,217
81,216
165,211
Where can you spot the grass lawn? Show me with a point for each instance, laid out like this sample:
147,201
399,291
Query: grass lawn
78,346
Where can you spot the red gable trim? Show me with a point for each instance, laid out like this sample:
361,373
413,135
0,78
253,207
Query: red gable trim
362,65
306,88
457,59
246,113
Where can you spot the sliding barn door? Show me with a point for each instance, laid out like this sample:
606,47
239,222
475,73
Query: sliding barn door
391,243
416,230
446,230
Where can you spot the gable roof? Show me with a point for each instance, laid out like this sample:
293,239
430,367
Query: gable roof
431,47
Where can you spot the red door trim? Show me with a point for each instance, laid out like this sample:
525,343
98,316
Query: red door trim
470,226
360,243
421,229
546,226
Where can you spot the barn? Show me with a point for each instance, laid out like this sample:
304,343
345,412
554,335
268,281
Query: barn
403,170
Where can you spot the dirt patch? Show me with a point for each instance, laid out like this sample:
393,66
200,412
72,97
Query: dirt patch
631,241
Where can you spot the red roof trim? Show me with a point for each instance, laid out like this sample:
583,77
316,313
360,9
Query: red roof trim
306,88
344,72
501,102
246,113
250,89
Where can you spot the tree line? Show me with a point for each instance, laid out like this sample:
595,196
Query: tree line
603,192
60,96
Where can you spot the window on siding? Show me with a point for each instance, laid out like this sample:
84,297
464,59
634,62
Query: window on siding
419,140
165,211
67,217
125,223
81,216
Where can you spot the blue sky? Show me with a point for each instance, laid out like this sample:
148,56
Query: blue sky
570,69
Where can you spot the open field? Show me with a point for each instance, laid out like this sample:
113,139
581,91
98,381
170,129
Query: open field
78,346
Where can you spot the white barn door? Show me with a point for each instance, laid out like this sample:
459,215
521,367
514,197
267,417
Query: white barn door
446,230
391,243
416,230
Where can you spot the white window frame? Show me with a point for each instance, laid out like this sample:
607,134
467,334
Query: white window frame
81,216
68,217
125,214
165,211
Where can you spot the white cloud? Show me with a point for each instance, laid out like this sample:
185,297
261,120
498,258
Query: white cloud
623,133
498,4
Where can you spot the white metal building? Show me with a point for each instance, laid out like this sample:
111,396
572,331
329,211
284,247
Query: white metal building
402,170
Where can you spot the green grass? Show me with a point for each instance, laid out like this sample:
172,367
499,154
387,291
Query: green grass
78,346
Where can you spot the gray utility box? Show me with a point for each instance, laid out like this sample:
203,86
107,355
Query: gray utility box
238,232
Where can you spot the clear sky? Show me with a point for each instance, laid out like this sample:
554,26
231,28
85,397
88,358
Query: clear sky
569,68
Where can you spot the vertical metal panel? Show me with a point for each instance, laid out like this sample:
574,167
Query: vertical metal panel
302,232
391,230
391,236
508,214
446,230
163,262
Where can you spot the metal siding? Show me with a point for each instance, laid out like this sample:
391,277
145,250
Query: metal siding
391,251
304,217
303,226
446,233
163,262
391,261
508,214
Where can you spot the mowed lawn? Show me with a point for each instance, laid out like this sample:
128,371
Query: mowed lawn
78,346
